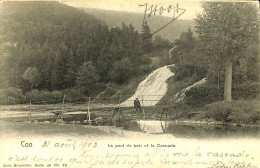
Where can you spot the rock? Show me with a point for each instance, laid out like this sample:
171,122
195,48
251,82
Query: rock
117,120
59,120
99,120
72,122
87,121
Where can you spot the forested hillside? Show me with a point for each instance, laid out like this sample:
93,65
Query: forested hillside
50,46
49,37
115,18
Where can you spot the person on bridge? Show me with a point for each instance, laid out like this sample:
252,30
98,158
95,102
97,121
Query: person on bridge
137,105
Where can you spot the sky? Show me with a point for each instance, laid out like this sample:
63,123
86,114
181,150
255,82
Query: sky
192,7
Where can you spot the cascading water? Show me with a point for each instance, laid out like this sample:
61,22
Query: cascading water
181,95
152,89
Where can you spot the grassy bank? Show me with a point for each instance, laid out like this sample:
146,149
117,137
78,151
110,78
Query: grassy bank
239,111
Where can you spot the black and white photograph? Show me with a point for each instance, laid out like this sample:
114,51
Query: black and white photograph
129,83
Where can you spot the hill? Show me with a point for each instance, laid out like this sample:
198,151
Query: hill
49,46
48,36
43,15
116,18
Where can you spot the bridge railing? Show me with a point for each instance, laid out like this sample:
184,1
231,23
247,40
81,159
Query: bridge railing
86,104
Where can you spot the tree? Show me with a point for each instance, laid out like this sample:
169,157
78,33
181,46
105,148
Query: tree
32,76
182,51
59,70
121,71
225,29
87,77
160,43
146,38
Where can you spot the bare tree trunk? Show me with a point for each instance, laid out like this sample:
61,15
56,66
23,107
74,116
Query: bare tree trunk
218,78
228,81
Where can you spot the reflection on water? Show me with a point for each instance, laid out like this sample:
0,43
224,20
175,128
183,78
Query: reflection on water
179,130
208,131
201,131
152,126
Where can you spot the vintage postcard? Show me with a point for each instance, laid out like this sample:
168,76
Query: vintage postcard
135,84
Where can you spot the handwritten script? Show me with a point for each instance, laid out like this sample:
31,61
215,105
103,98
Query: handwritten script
151,10
87,154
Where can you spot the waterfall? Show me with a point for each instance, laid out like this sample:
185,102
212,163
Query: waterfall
181,95
152,89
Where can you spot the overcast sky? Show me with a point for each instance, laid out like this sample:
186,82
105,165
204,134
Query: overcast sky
192,7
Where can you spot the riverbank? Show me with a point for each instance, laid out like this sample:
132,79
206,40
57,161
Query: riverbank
240,113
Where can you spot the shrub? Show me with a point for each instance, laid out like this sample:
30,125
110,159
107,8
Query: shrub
74,95
246,112
32,95
219,111
181,111
202,95
11,95
243,112
44,96
206,94
245,91
184,71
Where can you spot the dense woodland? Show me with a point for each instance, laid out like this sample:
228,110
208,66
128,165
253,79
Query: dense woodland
55,47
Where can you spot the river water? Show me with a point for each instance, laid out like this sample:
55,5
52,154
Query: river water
195,130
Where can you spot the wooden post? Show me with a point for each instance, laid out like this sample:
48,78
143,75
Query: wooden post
119,101
30,111
143,106
88,108
63,104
